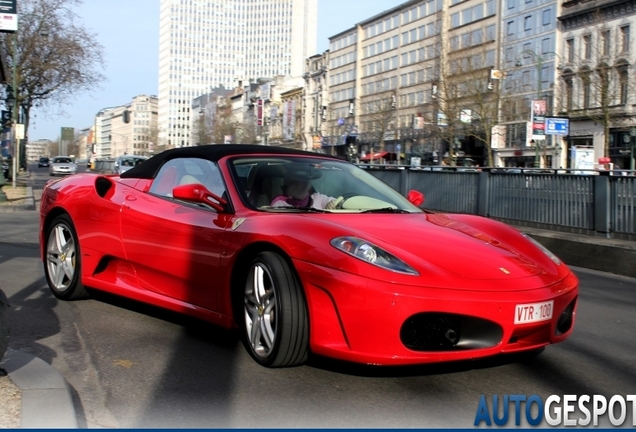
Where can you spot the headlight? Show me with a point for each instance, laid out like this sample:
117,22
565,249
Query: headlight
368,252
555,259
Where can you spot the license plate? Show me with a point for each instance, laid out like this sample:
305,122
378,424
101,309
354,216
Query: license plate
533,312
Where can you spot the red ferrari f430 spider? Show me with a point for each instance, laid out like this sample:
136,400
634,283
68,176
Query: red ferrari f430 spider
305,253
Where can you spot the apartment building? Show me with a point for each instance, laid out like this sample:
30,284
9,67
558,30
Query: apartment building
315,100
127,129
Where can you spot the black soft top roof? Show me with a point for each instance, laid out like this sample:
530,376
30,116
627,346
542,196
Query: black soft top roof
149,168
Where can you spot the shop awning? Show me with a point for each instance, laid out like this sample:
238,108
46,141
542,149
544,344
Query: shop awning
379,155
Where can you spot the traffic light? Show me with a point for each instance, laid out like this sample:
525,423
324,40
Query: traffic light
126,116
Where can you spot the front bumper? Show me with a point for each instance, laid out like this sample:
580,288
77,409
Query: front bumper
57,171
358,319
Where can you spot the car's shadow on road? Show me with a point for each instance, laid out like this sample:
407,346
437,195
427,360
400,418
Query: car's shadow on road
210,333
194,327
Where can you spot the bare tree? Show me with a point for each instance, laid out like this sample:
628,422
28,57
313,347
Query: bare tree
468,98
54,56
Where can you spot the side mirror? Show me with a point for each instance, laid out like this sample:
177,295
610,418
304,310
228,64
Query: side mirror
415,197
198,193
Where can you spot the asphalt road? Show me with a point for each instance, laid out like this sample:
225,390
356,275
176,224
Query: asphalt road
134,366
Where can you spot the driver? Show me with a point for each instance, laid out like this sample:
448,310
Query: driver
298,192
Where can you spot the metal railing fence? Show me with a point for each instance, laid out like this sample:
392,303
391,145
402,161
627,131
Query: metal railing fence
593,202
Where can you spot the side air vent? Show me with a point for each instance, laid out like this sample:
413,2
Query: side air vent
102,186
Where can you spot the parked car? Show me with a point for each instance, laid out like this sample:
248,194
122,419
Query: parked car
126,162
6,171
43,162
351,269
62,165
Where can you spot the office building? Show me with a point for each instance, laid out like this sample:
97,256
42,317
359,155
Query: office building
206,44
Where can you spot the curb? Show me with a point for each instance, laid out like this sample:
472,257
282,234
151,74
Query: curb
30,200
46,397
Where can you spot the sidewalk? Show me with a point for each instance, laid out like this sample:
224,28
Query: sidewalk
46,398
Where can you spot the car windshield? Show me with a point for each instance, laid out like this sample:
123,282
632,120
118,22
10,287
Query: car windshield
288,183
62,160
44,159
131,161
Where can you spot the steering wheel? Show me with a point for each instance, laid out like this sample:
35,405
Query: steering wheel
343,198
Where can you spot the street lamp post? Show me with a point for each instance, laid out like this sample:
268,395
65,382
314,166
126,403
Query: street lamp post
538,61
13,105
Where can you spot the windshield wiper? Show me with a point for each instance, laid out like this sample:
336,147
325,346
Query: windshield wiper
385,210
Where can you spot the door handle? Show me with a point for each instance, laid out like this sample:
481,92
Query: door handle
131,198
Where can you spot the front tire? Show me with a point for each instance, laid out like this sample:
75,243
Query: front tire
274,317
62,265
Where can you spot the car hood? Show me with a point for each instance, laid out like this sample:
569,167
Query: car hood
461,247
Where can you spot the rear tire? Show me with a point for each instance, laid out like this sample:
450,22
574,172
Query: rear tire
62,264
273,316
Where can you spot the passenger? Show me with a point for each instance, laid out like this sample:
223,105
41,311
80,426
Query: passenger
298,191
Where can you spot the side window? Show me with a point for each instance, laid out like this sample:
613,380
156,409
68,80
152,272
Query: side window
183,171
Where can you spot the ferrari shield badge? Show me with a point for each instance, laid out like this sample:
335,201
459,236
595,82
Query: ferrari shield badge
237,223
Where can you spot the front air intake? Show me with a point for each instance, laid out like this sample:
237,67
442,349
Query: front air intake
437,331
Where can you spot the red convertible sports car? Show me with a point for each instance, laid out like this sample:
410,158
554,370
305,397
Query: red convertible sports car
304,253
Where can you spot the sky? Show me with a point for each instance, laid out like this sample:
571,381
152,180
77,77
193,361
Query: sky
129,33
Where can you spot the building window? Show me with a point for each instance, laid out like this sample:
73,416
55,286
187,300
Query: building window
587,47
527,23
586,84
547,15
454,43
478,12
490,7
622,85
625,39
510,28
466,40
569,50
511,4
545,45
467,15
605,42
455,20
490,32
477,37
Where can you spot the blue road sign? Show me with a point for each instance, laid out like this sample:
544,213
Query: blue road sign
557,126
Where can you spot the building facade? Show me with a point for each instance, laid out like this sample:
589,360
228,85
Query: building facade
529,61
37,149
127,129
205,44
597,78
316,99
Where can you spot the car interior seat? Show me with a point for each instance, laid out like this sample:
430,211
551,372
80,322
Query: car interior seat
188,179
